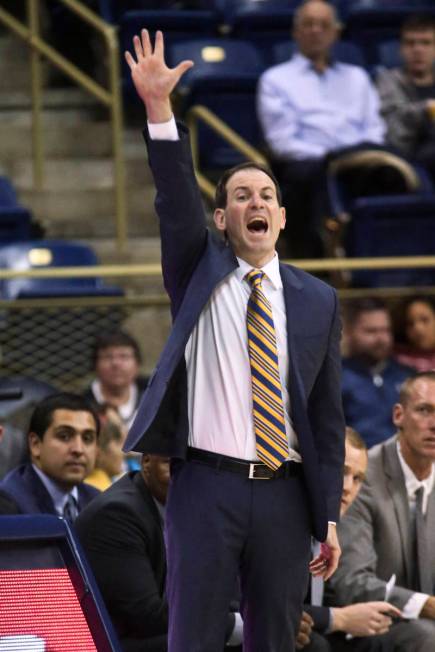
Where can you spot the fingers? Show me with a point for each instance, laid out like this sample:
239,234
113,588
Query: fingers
129,59
146,43
138,49
159,45
183,67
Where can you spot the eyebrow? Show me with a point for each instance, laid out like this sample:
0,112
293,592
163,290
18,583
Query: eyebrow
247,188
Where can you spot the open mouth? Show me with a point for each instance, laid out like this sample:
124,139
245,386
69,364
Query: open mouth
257,225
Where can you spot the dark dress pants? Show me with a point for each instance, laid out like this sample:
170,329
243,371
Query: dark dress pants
219,525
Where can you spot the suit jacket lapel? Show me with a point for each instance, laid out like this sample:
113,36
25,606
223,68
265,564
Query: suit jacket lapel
292,287
397,489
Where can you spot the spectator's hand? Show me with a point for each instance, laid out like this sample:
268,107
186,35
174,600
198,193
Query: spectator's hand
428,610
364,619
325,564
304,633
153,80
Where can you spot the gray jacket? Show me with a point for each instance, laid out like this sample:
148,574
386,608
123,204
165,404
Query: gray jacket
375,535
404,113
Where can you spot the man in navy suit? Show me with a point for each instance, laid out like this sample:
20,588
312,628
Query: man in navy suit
232,507
62,441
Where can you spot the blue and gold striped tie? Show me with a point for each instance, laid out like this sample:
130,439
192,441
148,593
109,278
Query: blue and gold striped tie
268,409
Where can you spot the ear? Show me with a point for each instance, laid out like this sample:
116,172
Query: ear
34,445
283,217
219,219
398,415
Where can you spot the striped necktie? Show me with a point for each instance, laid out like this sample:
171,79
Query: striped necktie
268,409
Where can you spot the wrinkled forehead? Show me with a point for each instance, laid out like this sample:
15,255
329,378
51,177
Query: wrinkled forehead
251,179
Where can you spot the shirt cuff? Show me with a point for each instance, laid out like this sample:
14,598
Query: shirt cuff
332,522
163,130
414,605
236,637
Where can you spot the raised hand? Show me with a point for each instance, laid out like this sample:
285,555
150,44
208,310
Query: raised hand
153,79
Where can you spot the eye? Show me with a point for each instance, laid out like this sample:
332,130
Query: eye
89,437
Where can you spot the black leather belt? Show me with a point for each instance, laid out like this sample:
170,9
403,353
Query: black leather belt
251,470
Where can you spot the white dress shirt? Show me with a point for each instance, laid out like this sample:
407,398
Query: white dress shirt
415,604
306,114
218,371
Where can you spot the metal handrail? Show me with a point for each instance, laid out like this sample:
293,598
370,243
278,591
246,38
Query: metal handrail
311,265
110,98
199,113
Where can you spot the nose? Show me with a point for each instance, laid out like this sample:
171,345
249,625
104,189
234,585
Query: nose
77,445
256,200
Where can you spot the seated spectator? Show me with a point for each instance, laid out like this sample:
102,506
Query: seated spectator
388,534
63,444
116,359
366,621
408,93
109,462
371,377
415,333
122,530
311,107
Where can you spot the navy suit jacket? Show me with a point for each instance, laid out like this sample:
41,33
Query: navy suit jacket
194,262
22,492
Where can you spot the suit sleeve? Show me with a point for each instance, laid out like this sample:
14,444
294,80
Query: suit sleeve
179,207
325,413
356,580
320,616
123,571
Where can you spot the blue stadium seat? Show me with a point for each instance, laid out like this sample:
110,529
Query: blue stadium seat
402,225
344,51
42,254
177,25
224,80
388,54
386,225
15,220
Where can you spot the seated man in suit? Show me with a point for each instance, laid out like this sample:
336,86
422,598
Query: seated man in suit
122,530
366,621
388,534
63,444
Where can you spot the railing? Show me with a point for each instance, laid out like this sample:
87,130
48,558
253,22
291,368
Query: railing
51,339
109,98
200,113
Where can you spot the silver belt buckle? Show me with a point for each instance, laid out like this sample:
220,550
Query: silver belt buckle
252,475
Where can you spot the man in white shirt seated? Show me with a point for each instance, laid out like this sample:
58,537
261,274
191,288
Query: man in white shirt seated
309,107
388,535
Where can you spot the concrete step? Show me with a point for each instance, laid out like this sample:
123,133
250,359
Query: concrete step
90,212
79,173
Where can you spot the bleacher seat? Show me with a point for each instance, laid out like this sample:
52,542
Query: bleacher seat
42,254
224,80
402,225
389,224
388,54
177,25
15,220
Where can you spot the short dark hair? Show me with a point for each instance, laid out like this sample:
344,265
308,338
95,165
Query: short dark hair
357,306
405,388
42,416
221,194
418,23
115,338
